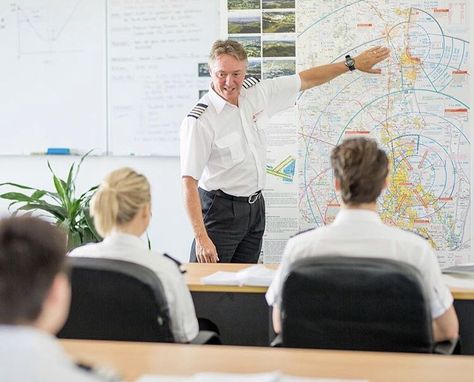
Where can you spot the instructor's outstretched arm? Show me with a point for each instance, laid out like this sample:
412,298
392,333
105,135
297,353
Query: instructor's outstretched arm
364,62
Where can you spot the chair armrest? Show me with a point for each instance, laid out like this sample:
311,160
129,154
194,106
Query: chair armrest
448,347
277,342
206,337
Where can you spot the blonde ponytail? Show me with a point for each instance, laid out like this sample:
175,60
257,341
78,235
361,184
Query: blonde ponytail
118,199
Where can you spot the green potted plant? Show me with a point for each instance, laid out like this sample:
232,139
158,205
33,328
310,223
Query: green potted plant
62,206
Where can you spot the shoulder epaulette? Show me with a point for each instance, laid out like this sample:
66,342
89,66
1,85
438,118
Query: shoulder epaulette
416,233
197,110
250,81
177,262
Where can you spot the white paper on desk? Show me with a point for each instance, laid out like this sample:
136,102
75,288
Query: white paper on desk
221,278
256,275
221,377
464,269
459,281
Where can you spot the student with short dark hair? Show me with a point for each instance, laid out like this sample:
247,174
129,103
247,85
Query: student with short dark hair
360,175
34,303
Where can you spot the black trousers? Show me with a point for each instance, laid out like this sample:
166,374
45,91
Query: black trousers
235,227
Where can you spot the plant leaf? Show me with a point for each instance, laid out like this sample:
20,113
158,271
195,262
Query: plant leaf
17,196
38,194
89,191
70,186
56,211
17,185
74,240
90,225
59,185
80,163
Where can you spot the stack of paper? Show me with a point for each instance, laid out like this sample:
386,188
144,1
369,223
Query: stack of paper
459,281
459,276
467,269
256,275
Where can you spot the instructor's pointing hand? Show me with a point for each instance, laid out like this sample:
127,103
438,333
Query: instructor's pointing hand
367,59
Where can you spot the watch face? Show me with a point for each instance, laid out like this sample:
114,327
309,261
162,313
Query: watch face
350,63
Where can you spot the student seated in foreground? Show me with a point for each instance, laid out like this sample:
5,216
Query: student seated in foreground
121,209
34,303
360,172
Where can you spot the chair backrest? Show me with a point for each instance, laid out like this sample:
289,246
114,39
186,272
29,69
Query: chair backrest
116,300
334,302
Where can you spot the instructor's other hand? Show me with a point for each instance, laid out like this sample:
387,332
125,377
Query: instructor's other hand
206,250
367,59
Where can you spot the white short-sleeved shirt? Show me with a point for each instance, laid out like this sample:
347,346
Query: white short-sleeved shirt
121,246
28,354
361,233
223,145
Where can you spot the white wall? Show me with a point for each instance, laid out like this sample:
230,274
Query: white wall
169,230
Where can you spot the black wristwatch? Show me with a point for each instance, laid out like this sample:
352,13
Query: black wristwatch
350,63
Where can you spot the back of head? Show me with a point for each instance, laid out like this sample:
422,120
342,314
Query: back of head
361,169
32,253
118,199
230,47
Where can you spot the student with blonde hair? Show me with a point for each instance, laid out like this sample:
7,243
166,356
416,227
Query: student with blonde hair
121,209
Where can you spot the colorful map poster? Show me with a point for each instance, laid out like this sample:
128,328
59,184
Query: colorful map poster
417,109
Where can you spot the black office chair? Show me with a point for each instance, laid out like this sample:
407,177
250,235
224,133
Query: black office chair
121,301
334,302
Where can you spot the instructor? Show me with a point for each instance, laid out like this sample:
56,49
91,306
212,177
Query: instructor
223,149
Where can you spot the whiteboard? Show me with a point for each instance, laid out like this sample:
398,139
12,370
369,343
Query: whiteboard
52,75
154,53
116,76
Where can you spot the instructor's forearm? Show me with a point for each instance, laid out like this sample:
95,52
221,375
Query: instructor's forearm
192,204
319,75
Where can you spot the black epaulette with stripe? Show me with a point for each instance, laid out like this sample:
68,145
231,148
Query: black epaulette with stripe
249,82
197,110
177,262
301,232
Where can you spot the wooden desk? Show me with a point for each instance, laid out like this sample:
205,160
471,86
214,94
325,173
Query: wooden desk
135,359
196,271
241,313
243,316
462,294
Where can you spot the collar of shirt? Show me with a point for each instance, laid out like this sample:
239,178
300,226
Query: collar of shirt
346,215
32,339
218,102
126,239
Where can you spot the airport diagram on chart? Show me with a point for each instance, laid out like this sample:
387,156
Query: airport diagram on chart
417,110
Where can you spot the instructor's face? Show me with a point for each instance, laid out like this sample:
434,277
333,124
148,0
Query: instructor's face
227,75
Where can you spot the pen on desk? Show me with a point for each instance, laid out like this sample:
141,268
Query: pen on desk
103,373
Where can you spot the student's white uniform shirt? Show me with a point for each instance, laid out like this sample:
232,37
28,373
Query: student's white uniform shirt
28,354
361,233
121,246
225,147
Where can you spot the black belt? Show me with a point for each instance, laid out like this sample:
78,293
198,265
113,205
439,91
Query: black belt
247,199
